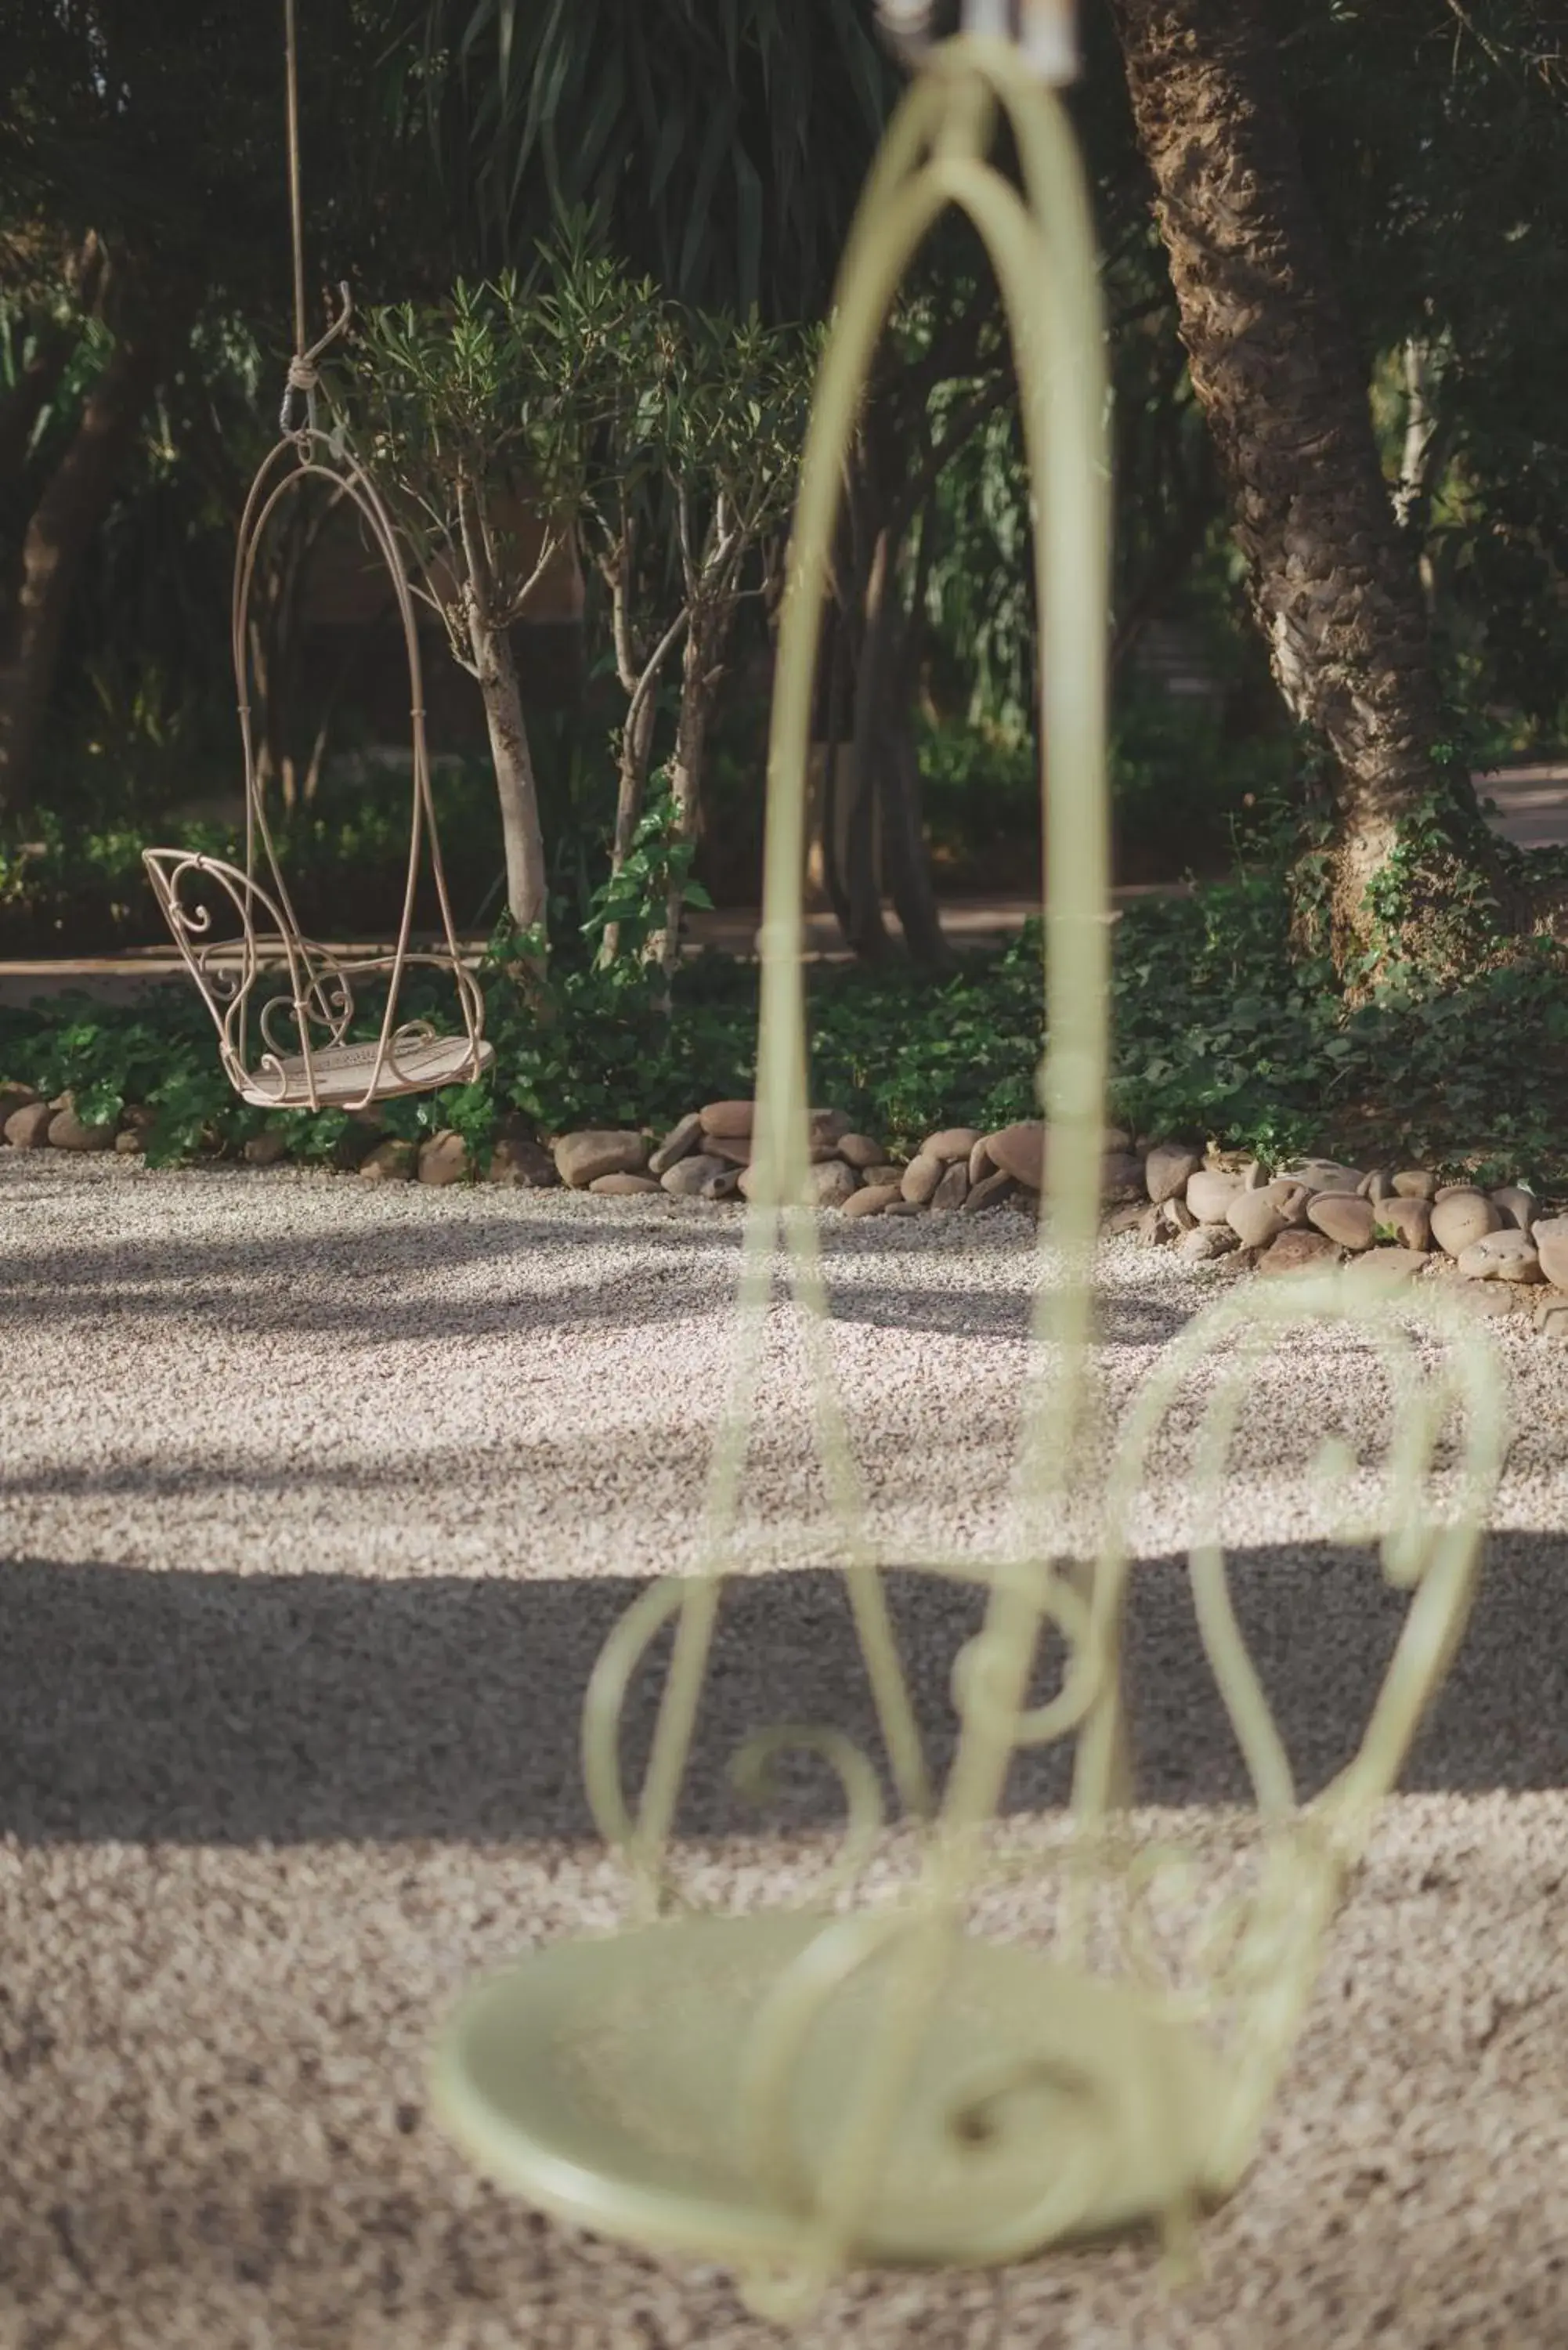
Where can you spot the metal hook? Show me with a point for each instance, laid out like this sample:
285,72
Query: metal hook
298,415
1044,31
339,324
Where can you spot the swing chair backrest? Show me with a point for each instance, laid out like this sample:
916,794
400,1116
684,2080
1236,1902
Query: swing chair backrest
1247,1970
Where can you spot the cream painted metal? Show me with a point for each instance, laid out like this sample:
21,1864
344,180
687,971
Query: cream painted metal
284,1005
875,2077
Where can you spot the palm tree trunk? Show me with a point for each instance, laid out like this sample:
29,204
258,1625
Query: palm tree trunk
1273,363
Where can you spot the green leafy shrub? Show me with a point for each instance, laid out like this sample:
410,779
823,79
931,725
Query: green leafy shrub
633,901
1220,1030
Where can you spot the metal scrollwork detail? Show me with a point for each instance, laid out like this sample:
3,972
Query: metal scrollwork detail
1198,1952
751,1770
307,1057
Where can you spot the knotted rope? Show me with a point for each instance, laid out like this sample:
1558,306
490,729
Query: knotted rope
298,411
297,415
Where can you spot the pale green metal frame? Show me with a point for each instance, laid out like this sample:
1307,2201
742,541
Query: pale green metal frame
1103,2085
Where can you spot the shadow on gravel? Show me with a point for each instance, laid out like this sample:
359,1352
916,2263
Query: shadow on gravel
374,1283
196,1708
377,1284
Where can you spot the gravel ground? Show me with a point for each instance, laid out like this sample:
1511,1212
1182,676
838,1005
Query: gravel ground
318,1500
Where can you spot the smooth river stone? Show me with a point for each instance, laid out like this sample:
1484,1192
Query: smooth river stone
1345,1218
1210,1191
1500,1257
1549,1238
1460,1218
1167,1169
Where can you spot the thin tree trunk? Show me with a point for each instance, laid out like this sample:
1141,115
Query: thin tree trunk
637,732
833,736
1420,431
866,929
1273,363
1418,459
59,532
516,785
908,867
909,878
701,667
636,750
641,683
495,667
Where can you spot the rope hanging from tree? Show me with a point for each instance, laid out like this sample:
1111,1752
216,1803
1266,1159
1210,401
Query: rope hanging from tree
309,1056
298,411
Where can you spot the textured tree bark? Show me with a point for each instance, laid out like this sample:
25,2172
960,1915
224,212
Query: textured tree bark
865,928
522,839
639,676
516,789
828,827
1420,463
1275,365
707,641
636,750
909,876
631,790
616,568
909,879
886,774
59,532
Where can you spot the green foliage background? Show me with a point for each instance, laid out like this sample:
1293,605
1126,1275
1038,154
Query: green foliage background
1223,1032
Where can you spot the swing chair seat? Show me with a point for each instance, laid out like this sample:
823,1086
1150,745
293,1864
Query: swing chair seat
307,989
337,1075
602,2081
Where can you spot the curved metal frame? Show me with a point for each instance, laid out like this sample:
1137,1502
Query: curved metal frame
1245,1977
289,1071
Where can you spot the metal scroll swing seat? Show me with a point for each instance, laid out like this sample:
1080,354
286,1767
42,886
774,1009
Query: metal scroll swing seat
897,2068
284,1004
291,1032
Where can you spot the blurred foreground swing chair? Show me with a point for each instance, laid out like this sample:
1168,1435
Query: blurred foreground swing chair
289,1030
874,2076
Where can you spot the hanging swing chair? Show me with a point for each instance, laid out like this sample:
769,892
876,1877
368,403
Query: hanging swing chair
291,1031
886,2072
